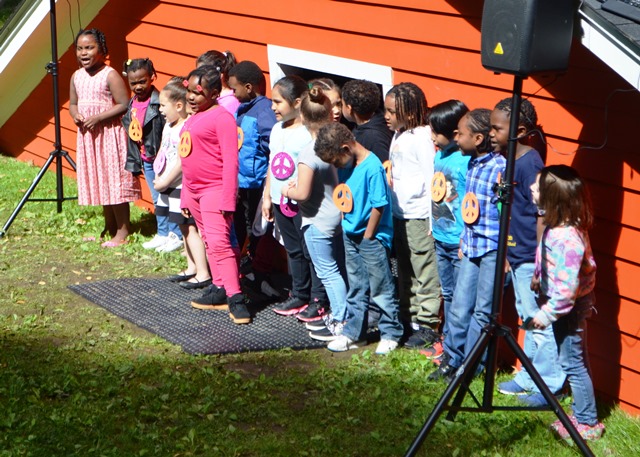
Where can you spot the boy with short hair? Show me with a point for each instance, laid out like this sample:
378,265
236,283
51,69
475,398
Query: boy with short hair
360,104
472,298
255,119
367,231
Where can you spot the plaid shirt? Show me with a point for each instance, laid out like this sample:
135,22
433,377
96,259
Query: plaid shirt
482,236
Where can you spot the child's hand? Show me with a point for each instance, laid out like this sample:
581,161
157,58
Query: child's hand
78,120
186,213
90,122
535,284
535,323
267,209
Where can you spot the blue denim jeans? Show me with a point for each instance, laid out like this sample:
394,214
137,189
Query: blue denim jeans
539,345
448,267
370,277
327,255
471,305
164,226
571,336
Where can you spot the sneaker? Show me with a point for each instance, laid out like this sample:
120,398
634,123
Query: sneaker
344,343
313,312
238,311
259,282
290,307
536,399
386,346
214,298
324,334
315,326
444,372
442,358
172,243
434,351
511,388
587,432
154,242
334,326
423,337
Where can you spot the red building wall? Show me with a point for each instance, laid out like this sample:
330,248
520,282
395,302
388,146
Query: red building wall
436,45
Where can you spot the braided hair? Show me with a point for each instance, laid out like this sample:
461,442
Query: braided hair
132,65
411,105
98,36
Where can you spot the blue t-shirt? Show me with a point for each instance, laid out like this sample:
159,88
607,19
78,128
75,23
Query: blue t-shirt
522,228
368,184
447,218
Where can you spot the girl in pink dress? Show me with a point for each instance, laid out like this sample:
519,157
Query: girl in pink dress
98,99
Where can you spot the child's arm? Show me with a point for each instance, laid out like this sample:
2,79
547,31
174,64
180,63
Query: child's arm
561,259
162,183
301,190
228,137
120,96
374,221
73,104
267,204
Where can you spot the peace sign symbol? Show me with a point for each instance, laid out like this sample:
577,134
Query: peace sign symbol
159,163
343,198
240,137
282,165
288,207
387,168
470,208
438,186
184,148
135,130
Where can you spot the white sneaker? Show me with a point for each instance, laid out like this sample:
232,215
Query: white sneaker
154,242
386,346
344,343
171,244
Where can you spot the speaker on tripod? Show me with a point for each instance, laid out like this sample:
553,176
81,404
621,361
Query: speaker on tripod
524,37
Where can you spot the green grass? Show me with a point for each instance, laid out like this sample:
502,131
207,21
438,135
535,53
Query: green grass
78,381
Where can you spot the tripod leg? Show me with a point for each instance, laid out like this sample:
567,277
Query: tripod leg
463,374
546,393
469,367
26,195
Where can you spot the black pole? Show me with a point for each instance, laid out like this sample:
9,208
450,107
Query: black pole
493,330
57,153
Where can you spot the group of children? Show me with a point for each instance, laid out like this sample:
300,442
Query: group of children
215,151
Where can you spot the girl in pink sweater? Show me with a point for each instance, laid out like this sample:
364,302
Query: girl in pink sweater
209,151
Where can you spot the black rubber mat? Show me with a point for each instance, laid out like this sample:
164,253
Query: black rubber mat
163,308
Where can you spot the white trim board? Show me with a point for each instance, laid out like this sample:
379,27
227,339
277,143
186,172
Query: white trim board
356,69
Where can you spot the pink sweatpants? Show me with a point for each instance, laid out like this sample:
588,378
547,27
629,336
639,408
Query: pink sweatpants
215,230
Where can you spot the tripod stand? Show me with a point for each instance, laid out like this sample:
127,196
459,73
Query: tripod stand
488,339
57,154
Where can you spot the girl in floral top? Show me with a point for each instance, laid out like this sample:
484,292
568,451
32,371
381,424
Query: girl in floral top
565,278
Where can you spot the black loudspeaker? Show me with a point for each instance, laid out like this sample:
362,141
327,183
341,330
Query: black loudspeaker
523,37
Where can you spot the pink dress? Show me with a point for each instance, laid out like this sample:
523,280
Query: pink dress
101,152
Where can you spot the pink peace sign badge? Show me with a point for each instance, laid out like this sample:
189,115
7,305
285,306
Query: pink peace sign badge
159,163
282,165
288,207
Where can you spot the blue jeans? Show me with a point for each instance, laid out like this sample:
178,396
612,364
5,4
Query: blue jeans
370,277
448,267
164,226
539,345
571,336
327,255
471,305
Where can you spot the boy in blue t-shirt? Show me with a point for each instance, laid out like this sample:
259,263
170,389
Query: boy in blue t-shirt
367,230
472,298
539,345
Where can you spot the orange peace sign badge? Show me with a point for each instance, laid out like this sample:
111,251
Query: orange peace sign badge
240,137
438,186
387,168
135,129
470,208
343,198
184,148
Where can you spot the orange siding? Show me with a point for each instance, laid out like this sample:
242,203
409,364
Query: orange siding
436,45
